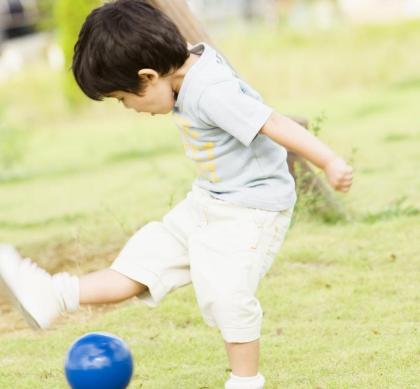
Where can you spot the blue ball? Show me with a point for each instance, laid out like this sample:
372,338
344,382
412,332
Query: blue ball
99,360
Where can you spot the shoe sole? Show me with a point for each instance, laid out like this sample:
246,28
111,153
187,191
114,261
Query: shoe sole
28,317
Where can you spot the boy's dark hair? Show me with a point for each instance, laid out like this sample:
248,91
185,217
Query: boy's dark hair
120,38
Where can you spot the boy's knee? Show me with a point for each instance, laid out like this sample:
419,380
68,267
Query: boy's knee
238,319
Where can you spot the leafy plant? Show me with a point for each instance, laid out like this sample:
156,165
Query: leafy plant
69,16
314,202
315,126
314,197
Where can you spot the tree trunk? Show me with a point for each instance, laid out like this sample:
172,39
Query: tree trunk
185,20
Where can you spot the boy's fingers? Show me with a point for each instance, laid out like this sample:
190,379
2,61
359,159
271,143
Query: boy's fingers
343,189
343,185
347,177
347,186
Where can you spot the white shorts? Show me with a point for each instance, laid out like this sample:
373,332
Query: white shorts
222,248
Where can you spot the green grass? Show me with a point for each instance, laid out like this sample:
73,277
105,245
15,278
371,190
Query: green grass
342,300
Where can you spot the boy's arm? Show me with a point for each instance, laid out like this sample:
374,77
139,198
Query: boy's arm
294,137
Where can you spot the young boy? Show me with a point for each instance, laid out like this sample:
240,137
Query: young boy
223,236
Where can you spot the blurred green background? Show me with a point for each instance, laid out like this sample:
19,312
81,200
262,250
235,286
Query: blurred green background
77,178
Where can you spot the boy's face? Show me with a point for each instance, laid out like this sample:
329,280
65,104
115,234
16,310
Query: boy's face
157,98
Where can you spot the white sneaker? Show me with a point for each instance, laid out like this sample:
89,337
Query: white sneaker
30,288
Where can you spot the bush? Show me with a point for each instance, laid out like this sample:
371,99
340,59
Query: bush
69,16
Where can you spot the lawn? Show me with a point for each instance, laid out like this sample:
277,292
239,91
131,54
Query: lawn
342,301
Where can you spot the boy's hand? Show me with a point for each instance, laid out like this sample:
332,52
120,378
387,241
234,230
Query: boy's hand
339,174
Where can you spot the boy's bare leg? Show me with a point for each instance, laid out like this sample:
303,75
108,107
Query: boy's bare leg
107,286
244,358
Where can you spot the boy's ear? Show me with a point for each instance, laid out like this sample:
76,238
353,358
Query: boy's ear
148,74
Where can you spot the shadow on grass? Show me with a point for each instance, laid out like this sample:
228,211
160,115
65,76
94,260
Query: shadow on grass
16,176
393,137
64,219
313,208
407,84
396,209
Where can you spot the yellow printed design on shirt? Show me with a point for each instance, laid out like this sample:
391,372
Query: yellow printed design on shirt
201,153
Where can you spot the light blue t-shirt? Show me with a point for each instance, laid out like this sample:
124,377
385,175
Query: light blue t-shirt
219,117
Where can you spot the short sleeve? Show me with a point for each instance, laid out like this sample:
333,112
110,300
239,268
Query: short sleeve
228,107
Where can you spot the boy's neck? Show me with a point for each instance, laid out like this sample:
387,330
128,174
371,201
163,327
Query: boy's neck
178,77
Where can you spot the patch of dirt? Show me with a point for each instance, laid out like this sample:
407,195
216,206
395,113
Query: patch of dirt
65,256
12,321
